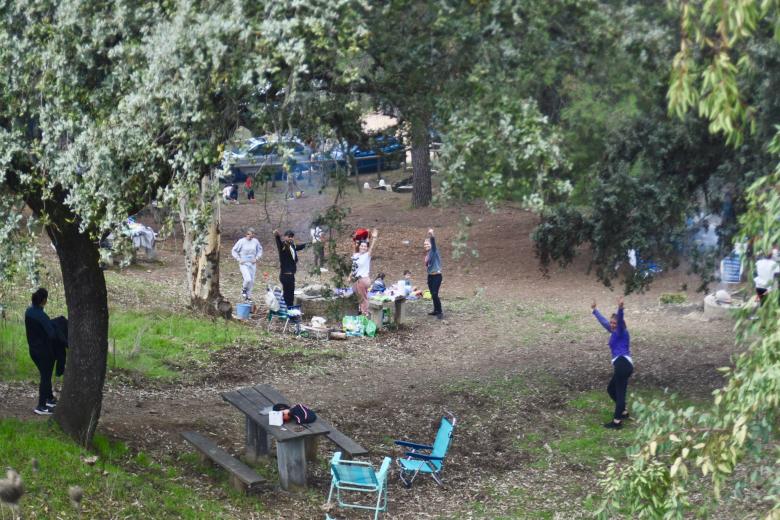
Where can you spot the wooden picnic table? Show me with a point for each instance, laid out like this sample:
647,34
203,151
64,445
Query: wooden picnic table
295,444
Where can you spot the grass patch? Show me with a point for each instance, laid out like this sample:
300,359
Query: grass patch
135,292
144,490
556,318
506,388
673,298
158,346
577,435
151,344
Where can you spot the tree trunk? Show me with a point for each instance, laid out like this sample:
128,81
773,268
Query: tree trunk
202,263
78,409
421,163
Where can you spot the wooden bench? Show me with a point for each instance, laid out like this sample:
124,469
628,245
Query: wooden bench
242,477
342,441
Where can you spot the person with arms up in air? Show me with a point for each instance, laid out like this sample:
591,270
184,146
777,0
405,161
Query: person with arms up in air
247,252
361,269
288,263
40,338
433,266
622,364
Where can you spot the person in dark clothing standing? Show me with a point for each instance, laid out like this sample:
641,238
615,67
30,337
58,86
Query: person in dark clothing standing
433,266
288,264
623,365
40,338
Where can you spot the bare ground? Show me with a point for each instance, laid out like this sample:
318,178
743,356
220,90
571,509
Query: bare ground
515,349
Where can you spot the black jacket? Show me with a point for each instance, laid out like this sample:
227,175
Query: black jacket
40,331
60,343
288,256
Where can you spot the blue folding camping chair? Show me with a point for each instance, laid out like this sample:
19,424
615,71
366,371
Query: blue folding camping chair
359,477
416,461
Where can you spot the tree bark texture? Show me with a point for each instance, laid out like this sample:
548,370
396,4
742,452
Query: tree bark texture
421,163
78,409
202,264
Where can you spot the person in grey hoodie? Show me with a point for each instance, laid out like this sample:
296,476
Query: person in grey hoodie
433,266
247,252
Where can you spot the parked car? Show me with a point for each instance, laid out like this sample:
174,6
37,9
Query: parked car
268,156
386,154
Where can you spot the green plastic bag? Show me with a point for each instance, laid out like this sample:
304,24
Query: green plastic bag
369,327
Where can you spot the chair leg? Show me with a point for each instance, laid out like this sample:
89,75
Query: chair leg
330,494
435,474
382,498
378,501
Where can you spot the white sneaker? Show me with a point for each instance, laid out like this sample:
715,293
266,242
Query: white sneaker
43,411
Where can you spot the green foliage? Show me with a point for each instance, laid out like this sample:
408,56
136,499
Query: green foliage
651,180
499,148
109,489
673,298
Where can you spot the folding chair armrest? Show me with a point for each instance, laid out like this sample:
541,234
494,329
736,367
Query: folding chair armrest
414,446
420,456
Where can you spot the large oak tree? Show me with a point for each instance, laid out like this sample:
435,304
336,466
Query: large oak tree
103,107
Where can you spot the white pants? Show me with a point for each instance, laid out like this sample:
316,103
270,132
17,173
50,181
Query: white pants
248,274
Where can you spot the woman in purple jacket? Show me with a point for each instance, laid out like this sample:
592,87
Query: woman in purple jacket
623,366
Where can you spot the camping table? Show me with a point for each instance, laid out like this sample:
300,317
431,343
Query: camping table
293,448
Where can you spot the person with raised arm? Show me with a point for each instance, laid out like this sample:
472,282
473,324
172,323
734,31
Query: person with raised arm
622,364
433,266
288,264
361,269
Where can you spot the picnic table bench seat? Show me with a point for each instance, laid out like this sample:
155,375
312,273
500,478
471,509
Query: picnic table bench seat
242,477
346,444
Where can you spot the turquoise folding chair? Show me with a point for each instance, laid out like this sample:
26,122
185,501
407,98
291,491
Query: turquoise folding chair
357,476
415,461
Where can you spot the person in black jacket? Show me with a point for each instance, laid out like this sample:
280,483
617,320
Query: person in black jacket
288,264
40,338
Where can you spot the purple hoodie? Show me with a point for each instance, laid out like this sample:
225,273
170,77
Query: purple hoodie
619,339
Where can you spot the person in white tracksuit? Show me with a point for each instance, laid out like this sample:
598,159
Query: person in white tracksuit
247,252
